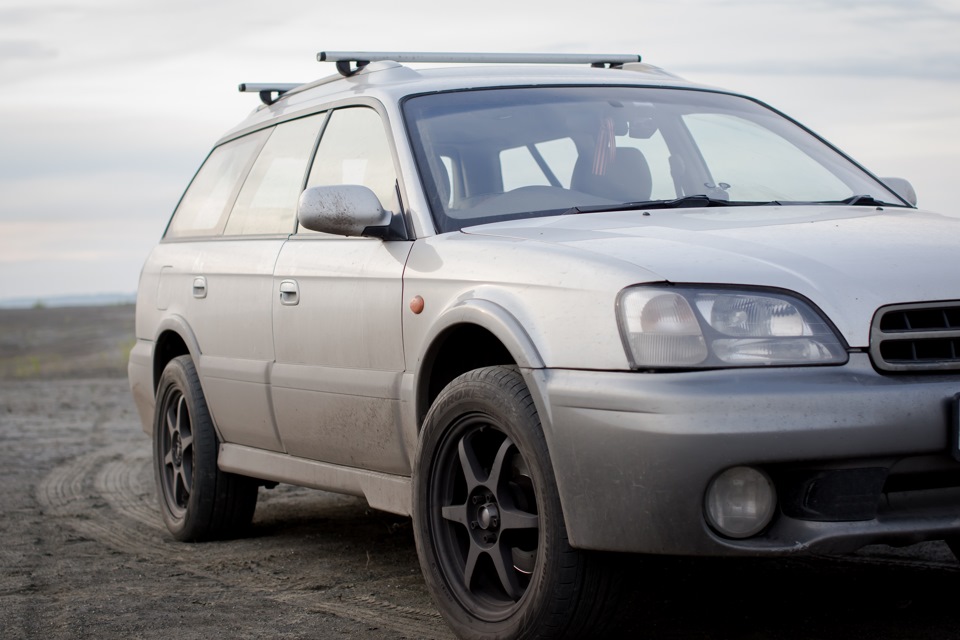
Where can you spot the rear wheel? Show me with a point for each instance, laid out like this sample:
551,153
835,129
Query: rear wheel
197,500
489,529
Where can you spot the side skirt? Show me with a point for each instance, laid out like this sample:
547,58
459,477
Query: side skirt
382,491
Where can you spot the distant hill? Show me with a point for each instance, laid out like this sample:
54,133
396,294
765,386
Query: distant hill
88,300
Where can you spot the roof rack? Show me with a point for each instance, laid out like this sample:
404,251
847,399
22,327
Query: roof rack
363,58
266,90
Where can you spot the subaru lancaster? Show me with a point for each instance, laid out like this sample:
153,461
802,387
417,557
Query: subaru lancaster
551,306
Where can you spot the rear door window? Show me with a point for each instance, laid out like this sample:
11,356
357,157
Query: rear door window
267,203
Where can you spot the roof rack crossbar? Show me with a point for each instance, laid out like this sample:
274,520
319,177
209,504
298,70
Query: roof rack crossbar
362,58
267,90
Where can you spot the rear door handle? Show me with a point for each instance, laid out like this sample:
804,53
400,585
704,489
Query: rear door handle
289,293
199,287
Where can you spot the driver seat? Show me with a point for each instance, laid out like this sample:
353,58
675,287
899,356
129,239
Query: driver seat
626,179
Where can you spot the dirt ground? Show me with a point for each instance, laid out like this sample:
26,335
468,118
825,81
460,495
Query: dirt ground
83,553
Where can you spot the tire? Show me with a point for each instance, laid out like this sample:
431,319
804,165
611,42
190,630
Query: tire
488,525
198,502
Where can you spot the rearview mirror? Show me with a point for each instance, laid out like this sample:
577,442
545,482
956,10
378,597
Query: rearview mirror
343,210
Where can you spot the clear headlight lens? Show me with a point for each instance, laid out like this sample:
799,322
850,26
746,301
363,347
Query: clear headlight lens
663,327
702,328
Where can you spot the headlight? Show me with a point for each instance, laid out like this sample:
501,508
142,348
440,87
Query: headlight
693,327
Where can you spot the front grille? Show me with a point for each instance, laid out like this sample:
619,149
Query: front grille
917,337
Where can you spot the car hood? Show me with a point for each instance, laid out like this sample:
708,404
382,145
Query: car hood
847,260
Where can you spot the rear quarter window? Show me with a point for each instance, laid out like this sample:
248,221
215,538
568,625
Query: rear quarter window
208,199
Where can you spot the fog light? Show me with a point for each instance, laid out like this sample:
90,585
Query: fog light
740,502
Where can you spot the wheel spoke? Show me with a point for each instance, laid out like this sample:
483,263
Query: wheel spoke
186,441
502,556
456,513
472,469
496,471
470,565
181,410
172,420
512,518
182,484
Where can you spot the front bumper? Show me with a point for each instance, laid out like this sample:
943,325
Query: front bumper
858,458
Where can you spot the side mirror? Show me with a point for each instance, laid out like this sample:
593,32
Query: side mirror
344,210
903,188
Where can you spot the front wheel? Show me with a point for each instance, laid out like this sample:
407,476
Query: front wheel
197,500
489,528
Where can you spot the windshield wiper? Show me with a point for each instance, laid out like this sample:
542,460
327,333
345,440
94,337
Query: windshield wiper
679,203
862,200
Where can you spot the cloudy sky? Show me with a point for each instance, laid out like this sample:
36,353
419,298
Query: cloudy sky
107,107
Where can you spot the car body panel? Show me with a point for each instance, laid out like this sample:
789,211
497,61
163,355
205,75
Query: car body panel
339,352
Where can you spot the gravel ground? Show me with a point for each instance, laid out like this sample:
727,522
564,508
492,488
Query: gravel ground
83,553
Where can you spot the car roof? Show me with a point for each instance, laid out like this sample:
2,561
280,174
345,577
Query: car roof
389,82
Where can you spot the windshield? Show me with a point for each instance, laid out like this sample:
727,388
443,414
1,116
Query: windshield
497,154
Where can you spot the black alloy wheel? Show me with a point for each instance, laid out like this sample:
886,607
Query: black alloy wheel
176,447
197,500
487,527
488,522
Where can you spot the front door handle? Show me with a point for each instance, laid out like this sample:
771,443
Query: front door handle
289,293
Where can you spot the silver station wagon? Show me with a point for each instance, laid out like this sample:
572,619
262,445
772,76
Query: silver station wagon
551,310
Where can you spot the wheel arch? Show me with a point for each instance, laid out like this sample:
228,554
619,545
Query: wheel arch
473,334
174,338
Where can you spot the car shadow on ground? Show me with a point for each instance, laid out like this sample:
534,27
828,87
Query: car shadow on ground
880,593
784,599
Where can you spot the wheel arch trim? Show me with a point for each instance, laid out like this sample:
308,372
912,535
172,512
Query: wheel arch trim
490,316
485,314
178,325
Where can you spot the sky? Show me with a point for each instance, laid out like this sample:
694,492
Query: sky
107,107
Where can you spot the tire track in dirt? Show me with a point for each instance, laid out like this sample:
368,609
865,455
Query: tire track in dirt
108,496
71,494
120,482
407,621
